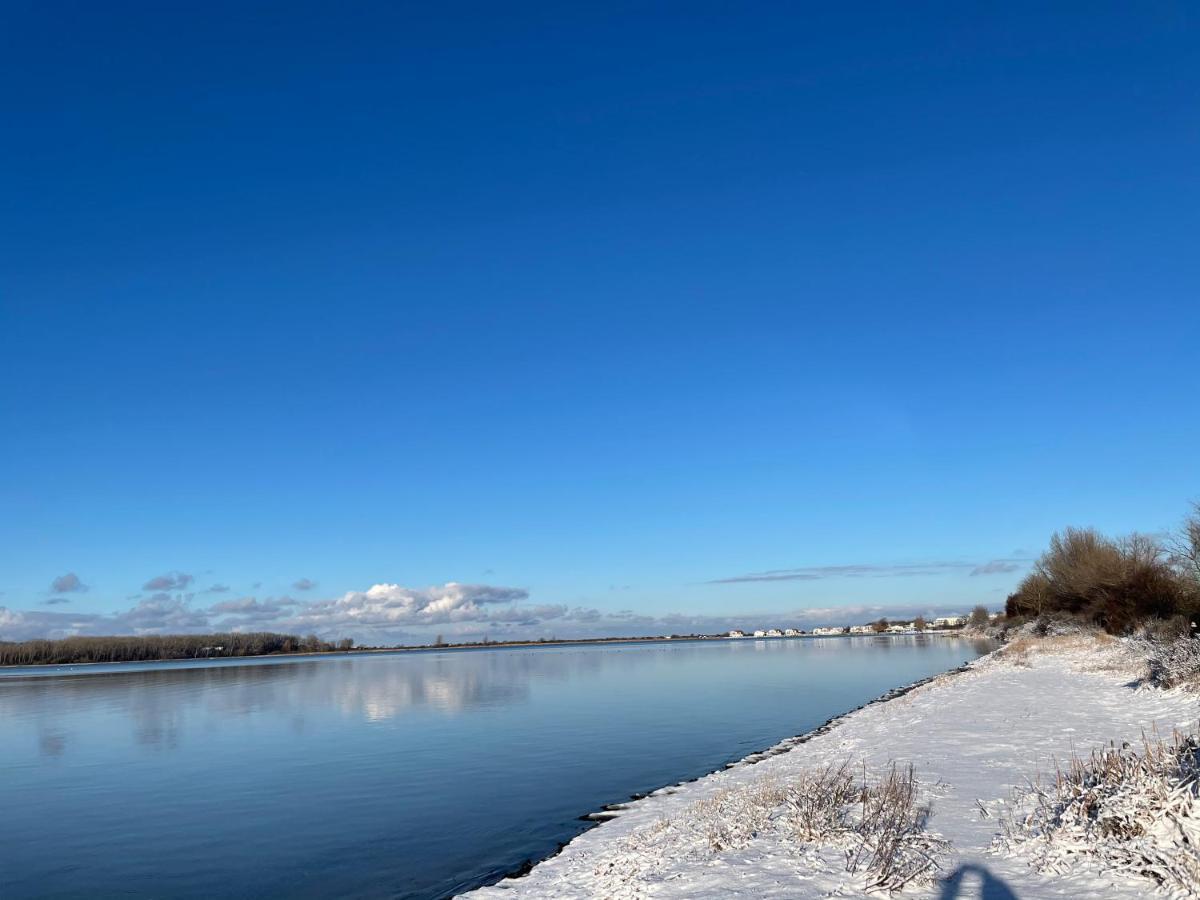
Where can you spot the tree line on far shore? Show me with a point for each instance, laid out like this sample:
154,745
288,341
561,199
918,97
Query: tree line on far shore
1116,584
978,618
144,648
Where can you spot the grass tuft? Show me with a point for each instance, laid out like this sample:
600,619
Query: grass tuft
1135,811
878,823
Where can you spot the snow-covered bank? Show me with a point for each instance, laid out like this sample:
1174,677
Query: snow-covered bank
972,738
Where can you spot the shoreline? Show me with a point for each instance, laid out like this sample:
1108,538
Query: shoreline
363,651
939,725
611,811
458,648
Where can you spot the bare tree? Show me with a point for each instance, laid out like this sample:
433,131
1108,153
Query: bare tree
1184,546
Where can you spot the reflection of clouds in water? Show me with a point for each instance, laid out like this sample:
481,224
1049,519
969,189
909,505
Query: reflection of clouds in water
163,708
158,725
458,681
160,704
52,743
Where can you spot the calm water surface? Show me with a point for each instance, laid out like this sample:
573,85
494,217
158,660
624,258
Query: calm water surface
397,775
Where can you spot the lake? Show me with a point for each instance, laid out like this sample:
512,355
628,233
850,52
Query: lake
387,775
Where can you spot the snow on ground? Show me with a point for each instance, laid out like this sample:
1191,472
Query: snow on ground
972,738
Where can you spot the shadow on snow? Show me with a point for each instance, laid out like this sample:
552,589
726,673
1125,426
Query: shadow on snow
991,887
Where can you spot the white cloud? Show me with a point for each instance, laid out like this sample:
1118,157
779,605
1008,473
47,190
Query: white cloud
383,612
392,613
66,584
998,567
172,581
391,605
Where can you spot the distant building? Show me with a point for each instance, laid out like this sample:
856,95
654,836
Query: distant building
949,621
735,633
862,629
827,631
774,632
900,629
792,632
760,633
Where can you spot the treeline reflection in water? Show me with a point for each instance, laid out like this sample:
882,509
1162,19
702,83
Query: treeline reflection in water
158,703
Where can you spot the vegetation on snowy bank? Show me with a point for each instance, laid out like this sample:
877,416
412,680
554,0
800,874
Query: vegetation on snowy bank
1134,811
1131,810
1115,584
877,824
795,824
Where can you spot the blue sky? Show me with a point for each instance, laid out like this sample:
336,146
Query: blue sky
604,307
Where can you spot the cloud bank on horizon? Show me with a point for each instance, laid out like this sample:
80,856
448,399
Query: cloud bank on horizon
392,614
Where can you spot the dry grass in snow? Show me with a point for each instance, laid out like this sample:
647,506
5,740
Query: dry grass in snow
1102,648
805,823
877,823
1134,811
1171,664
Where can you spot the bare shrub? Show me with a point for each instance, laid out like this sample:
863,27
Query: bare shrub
1063,625
1112,583
893,847
1185,549
979,618
1166,630
1134,812
816,803
1172,663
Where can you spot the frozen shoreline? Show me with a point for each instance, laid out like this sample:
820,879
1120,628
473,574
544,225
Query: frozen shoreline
972,736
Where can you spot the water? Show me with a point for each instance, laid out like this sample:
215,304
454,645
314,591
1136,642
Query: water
387,775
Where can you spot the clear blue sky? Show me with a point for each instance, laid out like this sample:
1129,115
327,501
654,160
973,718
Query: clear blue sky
602,304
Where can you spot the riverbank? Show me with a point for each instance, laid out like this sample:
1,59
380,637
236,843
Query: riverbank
973,739
360,651
49,667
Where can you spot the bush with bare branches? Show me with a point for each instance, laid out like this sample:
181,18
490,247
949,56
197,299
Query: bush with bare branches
890,843
1185,547
1171,661
1114,584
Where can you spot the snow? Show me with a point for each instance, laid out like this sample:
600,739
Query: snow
974,738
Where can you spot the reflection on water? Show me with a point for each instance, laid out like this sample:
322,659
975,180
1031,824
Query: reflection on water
159,702
387,775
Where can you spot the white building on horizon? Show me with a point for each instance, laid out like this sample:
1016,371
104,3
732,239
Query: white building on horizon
949,621
737,634
825,630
